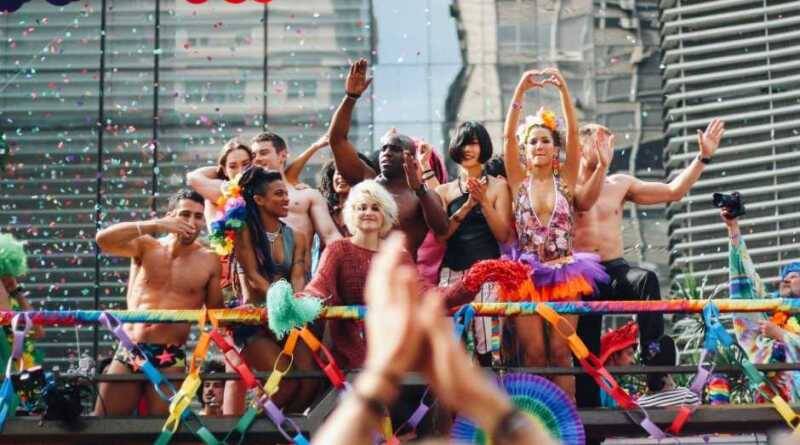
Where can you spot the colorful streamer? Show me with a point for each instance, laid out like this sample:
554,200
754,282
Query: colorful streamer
257,316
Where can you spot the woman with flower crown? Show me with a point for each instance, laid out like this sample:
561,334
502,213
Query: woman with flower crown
544,201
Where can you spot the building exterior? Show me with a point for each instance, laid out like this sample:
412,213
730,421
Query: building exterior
737,61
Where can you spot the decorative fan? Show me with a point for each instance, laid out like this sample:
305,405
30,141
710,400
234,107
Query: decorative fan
539,398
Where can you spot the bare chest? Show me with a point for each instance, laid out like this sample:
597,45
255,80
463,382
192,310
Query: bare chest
183,275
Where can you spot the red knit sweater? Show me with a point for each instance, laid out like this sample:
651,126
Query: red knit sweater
340,280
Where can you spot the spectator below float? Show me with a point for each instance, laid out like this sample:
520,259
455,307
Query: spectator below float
766,339
213,391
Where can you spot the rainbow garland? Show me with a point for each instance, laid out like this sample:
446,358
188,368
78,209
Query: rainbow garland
230,218
255,316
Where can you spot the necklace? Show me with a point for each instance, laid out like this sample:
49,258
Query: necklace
272,236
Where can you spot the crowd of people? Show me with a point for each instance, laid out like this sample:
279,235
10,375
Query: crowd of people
545,199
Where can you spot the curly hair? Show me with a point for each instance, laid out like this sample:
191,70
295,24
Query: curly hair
370,190
467,132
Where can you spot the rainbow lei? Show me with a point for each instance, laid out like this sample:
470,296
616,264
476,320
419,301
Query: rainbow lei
230,219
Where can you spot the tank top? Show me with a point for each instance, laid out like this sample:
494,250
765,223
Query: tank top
283,269
549,242
472,241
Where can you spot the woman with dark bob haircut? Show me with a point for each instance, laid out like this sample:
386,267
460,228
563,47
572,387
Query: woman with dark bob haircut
479,207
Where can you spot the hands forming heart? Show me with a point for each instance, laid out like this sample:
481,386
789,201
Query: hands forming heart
539,78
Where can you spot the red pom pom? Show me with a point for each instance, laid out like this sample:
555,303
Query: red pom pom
507,274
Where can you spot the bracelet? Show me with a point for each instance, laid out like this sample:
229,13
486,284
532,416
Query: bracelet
353,96
427,176
705,161
427,171
139,227
516,105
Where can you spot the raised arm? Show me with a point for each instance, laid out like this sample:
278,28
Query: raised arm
586,194
127,239
293,170
321,218
204,181
514,169
432,210
642,192
571,142
348,164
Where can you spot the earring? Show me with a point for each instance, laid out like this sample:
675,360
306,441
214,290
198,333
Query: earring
556,165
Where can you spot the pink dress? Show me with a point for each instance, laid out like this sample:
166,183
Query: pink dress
559,274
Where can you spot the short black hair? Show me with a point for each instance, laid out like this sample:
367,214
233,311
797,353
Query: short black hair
278,142
184,193
496,167
467,132
213,366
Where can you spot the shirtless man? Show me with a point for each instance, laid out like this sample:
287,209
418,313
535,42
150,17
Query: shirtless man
599,230
308,210
174,272
420,209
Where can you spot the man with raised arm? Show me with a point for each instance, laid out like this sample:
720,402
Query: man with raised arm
171,272
599,230
308,210
420,209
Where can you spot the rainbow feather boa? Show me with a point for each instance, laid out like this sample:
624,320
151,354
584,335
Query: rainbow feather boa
230,218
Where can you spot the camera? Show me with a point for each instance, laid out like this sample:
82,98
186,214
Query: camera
732,203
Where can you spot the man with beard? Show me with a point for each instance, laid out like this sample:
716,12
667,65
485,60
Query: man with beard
420,209
172,272
599,230
213,391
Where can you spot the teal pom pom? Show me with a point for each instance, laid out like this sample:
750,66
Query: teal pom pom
13,260
285,312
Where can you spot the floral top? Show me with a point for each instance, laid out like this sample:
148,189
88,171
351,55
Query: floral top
548,242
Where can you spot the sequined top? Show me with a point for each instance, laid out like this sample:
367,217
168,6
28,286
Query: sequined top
549,242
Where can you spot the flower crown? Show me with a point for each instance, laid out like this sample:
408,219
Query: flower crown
543,118
230,219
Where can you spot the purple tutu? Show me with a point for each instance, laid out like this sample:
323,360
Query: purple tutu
565,279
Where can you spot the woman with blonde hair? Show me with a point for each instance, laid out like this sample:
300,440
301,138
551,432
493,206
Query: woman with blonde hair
544,201
369,213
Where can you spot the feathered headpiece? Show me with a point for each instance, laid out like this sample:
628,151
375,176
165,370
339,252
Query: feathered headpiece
543,118
618,339
13,260
230,219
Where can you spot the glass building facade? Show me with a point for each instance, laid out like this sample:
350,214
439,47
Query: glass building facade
105,105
